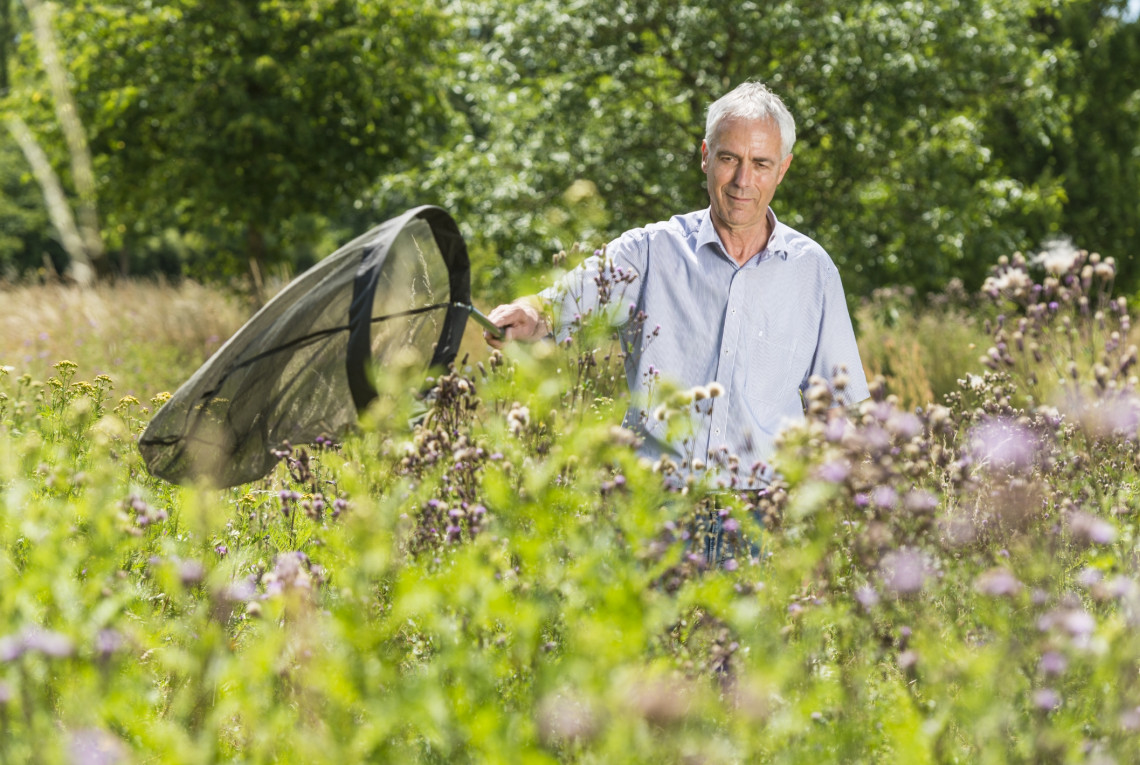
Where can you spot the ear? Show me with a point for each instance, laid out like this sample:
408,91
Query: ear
704,156
783,169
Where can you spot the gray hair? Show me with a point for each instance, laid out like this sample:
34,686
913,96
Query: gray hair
753,101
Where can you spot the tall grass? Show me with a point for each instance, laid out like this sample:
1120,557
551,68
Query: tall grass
920,345
147,336
506,581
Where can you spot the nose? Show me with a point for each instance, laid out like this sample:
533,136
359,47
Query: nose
743,175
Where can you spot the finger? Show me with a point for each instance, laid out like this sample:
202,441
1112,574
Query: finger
493,341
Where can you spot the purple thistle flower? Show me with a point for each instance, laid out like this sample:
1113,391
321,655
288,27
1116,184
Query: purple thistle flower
876,439
11,648
1052,663
904,425
867,597
904,571
1078,623
107,642
95,746
1091,529
241,591
191,572
919,501
51,644
834,429
1046,699
1004,444
884,497
998,582
834,471
1089,576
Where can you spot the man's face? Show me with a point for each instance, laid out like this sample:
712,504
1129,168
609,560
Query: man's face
743,167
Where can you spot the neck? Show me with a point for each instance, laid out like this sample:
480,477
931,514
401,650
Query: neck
742,244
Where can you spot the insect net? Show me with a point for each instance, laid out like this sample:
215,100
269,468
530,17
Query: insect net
301,367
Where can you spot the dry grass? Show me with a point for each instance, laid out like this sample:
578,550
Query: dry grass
146,336
920,348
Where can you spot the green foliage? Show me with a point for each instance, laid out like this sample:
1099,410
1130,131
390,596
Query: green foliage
900,112
238,123
25,233
933,136
506,581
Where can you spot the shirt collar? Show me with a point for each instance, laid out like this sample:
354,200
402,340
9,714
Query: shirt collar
777,241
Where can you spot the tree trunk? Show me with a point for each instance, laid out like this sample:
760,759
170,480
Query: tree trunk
255,246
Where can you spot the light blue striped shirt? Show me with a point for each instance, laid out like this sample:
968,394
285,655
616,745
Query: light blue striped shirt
760,331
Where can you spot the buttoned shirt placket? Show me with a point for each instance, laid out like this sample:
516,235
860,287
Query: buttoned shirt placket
732,343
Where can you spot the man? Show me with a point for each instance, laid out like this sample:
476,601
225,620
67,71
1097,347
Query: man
745,304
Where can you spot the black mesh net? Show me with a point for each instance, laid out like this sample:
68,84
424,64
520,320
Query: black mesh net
301,367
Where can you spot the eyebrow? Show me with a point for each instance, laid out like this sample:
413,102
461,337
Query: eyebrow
734,155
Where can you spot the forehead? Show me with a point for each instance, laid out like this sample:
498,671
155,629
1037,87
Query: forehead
747,137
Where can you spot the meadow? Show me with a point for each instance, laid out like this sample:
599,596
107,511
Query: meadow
950,575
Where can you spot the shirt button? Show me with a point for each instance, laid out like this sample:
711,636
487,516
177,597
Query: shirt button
717,431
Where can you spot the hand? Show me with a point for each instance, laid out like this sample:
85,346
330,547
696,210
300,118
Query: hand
519,321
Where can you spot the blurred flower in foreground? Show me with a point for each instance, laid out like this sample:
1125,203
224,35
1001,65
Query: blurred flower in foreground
564,717
867,597
1090,529
95,746
998,582
904,572
1052,663
1046,699
49,643
1004,444
1110,415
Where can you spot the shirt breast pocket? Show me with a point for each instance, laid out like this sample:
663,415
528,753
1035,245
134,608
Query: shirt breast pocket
771,370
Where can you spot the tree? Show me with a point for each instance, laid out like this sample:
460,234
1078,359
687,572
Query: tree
1095,154
898,105
78,227
242,120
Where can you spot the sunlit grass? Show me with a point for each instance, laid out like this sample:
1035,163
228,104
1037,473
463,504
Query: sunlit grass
147,336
